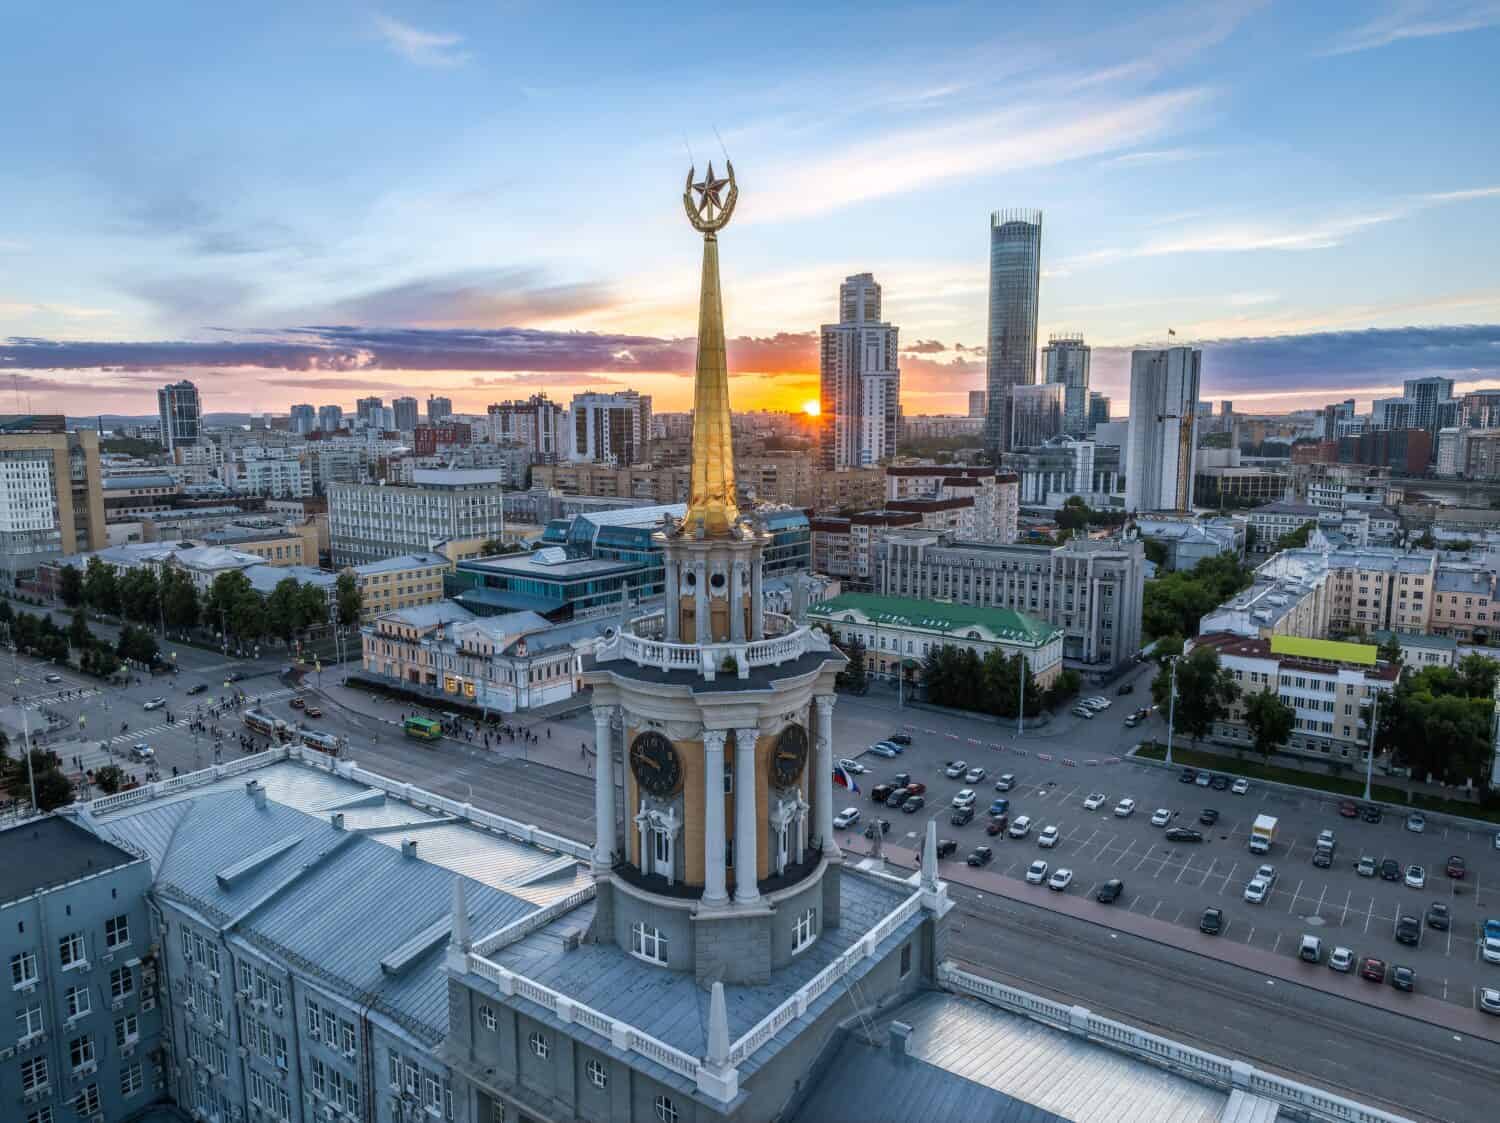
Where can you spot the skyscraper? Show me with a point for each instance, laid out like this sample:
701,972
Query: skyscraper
303,419
405,410
1015,277
330,418
1163,429
1065,361
367,411
1036,414
180,410
860,395
610,428
977,400
438,409
1098,409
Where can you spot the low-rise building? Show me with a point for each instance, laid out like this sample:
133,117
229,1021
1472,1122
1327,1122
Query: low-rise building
1189,540
996,495
1326,683
372,522
898,629
271,542
1419,650
1272,520
406,581
1463,602
137,491
845,547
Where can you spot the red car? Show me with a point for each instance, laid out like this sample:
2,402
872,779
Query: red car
1455,867
1372,969
996,825
916,787
1348,809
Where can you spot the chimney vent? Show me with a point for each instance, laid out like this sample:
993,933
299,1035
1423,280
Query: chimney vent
337,820
900,1039
408,848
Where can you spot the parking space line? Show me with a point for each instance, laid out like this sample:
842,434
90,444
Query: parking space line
1370,914
1153,911
1227,878
1124,852
1295,895
1185,867
1277,945
1178,917
1103,850
1318,910
1082,845
1250,938
1144,856
1345,916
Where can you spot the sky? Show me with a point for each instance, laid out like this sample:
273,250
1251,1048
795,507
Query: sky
312,202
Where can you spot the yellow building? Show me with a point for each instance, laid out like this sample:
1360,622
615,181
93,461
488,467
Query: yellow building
276,544
51,497
406,581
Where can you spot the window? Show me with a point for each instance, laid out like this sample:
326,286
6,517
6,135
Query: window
87,1101
23,969
666,1110
29,1021
487,1017
70,950
117,932
121,983
539,1045
319,1078
598,1074
81,1051
905,960
347,1034
77,1002
132,1080
246,976
127,1030
41,1115
648,943
805,930
314,1019
33,1074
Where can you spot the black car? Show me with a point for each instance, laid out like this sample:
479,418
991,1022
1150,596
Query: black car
1187,776
1219,783
1208,817
980,856
897,797
1183,834
1128,688
884,825
899,738
197,688
1212,922
1403,978
1370,813
1408,931
881,792
1323,858
1110,891
234,676
947,848
1390,870
902,779
1439,916
962,816
913,804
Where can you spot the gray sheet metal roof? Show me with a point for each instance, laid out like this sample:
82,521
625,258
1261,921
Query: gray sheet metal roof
670,1005
53,851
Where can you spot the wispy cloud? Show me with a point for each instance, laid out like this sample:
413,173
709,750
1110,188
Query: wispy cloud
1417,19
1152,156
423,48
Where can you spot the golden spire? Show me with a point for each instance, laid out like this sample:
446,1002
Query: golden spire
712,502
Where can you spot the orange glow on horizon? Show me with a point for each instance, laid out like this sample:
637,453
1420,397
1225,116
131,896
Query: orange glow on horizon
812,408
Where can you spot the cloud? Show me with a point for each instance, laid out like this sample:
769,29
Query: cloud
1417,19
954,376
423,48
962,350
555,378
194,300
1152,156
479,298
924,347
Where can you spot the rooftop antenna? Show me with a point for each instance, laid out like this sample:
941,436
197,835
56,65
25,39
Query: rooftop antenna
720,139
16,382
689,148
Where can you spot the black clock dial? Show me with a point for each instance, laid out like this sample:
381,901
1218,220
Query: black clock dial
657,767
789,756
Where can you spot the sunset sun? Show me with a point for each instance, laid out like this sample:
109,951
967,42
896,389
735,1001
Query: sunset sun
812,408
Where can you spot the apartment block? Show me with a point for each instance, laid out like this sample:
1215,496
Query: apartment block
995,494
405,581
372,522
51,493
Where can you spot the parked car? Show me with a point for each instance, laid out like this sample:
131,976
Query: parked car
1020,827
1124,809
897,797
1403,978
1408,931
1110,891
899,738
882,792
882,825
1322,857
1006,781
1132,720
999,806
946,848
1416,877
1187,776
1203,780
1183,834
1390,870
1036,873
1083,712
1369,813
1220,783
1325,837
997,825
1455,867
974,776
913,787
846,818
962,816
1211,923
1372,969
881,749
965,798
1208,817
1416,822
1341,959
1266,871
955,769
1489,1000
1257,890
1126,688
1365,867
913,804
1240,786
1060,879
1048,838
852,766
313,711
980,856
1349,809
1161,817
1094,801
1439,916
1310,950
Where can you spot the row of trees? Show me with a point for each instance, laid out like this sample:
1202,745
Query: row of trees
1439,720
1206,692
138,594
991,684
1175,602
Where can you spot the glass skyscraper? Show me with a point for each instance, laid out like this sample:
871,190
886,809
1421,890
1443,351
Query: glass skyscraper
1015,276
1065,360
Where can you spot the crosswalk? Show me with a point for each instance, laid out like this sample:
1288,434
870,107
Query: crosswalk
51,699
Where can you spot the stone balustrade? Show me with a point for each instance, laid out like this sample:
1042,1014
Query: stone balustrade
641,643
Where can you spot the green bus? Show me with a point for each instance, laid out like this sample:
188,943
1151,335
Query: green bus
423,729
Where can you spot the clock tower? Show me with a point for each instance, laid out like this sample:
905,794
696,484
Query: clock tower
713,799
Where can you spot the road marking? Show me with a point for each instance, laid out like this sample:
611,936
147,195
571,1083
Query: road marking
1345,916
1277,945
1250,938
1209,874
1370,914
1185,867
1124,852
1227,878
1144,856
1178,917
1153,911
1295,895
1134,901
1105,848
1318,909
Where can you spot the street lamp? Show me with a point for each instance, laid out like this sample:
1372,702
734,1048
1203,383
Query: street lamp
1171,707
1370,753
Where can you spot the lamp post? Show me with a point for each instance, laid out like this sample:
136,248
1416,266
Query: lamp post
26,739
1021,703
1370,753
1171,708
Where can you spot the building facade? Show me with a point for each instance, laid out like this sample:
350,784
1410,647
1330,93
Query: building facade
1065,361
996,494
977,399
51,494
330,419
537,424
372,522
1099,405
180,410
1015,283
613,429
860,381
1163,429
406,415
1036,414
405,581
302,419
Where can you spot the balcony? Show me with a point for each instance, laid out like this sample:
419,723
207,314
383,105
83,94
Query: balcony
784,641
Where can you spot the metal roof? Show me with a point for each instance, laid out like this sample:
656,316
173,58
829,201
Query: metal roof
938,616
52,851
1332,651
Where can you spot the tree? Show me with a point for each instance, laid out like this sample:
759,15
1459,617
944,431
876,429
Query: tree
854,678
1270,721
1252,535
1425,540
1438,721
1175,602
312,606
53,789
1168,647
136,644
101,588
282,613
349,600
1205,691
109,779
79,635
138,595
494,548
179,597
70,586
1156,552
1296,539
1063,687
1390,649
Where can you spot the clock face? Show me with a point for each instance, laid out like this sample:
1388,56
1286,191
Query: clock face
789,757
657,767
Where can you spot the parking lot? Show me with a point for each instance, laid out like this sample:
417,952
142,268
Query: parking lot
1175,882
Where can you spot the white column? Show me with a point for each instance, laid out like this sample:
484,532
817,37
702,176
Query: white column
737,592
757,623
745,816
824,764
672,606
604,789
714,892
700,595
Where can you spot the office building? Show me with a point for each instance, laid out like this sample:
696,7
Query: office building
51,493
404,414
372,522
996,494
860,374
1065,361
181,412
302,419
1425,403
1052,473
1189,540
330,419
1036,414
977,399
367,412
405,581
1163,429
84,1008
1098,409
1015,281
1092,588
537,424
612,429
279,477
438,409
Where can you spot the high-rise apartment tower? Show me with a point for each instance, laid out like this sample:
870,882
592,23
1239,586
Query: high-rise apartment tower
860,395
1163,429
1065,361
180,410
1015,277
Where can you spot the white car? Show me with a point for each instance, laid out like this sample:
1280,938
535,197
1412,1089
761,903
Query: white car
155,704
1203,779
1124,809
1341,959
1416,822
846,818
1060,880
1266,873
1416,877
1094,801
1006,782
1489,1000
1160,817
965,798
1257,890
1020,827
955,769
852,766
1036,873
974,776
1048,838
1240,786
1098,703
1083,712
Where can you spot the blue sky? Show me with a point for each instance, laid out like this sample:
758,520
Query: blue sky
484,198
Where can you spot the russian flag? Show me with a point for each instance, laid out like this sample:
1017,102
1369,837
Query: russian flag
844,780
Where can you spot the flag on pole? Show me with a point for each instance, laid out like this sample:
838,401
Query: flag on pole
842,778
1171,332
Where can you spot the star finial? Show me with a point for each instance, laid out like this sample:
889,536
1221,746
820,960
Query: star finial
708,189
